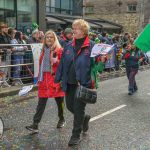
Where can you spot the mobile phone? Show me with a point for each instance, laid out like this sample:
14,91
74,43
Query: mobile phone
54,55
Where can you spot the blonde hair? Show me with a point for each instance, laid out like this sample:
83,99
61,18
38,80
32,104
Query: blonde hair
82,24
56,42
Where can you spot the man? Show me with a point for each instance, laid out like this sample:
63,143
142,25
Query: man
75,68
66,37
5,54
4,38
35,37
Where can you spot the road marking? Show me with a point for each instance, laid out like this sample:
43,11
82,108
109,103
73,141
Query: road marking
148,93
107,113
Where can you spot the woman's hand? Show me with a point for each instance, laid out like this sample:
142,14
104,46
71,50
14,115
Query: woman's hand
54,60
25,48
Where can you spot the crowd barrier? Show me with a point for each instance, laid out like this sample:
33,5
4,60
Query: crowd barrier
15,66
21,68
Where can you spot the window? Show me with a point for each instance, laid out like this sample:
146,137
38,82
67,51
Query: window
22,12
89,9
59,6
26,13
132,7
7,12
65,6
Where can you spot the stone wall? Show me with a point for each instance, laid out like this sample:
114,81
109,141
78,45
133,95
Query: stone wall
146,11
130,22
116,11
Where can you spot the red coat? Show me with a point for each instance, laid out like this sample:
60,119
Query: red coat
47,88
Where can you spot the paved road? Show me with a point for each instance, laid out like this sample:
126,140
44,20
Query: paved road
119,121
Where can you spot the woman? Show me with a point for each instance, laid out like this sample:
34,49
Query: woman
49,61
75,68
19,38
17,57
41,36
133,57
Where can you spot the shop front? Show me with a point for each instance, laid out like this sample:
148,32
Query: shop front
19,14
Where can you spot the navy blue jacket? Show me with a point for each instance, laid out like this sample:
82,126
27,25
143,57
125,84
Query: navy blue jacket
82,64
64,41
132,58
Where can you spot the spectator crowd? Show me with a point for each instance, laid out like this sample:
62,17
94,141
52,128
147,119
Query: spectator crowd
14,55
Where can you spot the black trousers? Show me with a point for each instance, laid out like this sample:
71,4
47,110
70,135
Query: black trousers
131,73
77,108
41,107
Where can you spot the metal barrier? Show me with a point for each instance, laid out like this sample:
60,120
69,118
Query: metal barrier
16,67
121,72
20,69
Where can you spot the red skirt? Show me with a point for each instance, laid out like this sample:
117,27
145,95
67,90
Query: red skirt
48,89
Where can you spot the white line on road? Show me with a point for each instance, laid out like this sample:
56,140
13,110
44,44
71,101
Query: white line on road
148,93
107,113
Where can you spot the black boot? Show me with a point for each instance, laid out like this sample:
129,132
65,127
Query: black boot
130,92
135,88
33,128
74,141
61,123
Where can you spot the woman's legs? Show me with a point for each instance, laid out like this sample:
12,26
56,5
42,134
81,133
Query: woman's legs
60,105
70,94
38,115
78,109
17,59
40,110
79,114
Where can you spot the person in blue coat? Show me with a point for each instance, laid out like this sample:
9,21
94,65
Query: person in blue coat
75,68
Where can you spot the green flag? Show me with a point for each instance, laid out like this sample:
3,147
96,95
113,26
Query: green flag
143,40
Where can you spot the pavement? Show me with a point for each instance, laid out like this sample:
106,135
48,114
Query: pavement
119,121
13,90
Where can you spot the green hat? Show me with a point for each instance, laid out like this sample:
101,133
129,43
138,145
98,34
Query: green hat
34,25
110,36
68,30
91,33
97,40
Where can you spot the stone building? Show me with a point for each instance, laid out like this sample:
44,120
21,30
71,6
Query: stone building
133,15
61,14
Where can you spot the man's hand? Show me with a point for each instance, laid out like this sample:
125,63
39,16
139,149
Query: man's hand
103,58
141,59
